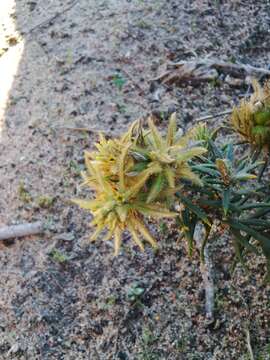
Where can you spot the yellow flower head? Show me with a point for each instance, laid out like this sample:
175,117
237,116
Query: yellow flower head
131,175
167,157
252,118
118,208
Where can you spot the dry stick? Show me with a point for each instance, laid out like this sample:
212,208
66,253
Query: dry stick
79,129
87,130
206,70
47,21
224,66
250,351
13,231
206,269
208,117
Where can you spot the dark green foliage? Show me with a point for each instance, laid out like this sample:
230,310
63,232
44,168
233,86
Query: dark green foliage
232,195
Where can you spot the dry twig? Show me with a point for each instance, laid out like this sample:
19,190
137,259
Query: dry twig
81,129
52,18
208,117
206,70
14,231
249,347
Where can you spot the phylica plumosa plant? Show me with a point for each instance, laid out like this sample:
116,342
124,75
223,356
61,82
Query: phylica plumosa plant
144,174
231,195
252,118
132,176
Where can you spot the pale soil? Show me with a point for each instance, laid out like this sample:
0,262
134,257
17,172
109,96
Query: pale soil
64,78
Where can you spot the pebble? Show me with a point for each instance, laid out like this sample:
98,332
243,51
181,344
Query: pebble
65,236
225,99
235,82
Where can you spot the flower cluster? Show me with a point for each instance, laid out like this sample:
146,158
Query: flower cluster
134,177
252,118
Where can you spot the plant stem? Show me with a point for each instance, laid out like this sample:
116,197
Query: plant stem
206,269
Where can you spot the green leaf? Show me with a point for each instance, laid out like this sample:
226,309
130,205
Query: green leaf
226,200
262,117
257,222
215,150
263,240
252,166
243,240
206,169
195,209
188,226
137,168
238,248
229,152
139,154
156,188
261,212
213,203
243,176
118,81
255,206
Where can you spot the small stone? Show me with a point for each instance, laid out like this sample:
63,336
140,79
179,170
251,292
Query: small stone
65,236
224,99
235,82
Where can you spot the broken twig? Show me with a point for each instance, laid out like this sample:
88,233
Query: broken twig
52,18
249,347
81,129
206,70
208,117
87,130
14,231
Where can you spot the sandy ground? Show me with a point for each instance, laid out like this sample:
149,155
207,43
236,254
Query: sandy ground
90,65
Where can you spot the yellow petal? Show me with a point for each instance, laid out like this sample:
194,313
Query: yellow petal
170,176
156,188
84,204
145,233
144,176
186,173
122,212
122,167
155,211
96,233
157,139
111,227
136,238
171,130
187,154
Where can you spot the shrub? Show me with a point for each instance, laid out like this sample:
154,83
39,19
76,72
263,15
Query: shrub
144,174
